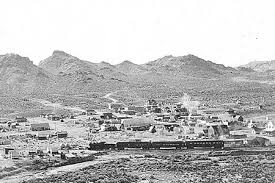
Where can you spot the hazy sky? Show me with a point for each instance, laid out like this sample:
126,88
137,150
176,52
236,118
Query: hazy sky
231,32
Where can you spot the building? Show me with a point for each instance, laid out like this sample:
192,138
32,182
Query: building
4,120
181,111
166,118
14,154
42,135
238,118
156,110
210,131
230,111
196,116
119,117
242,133
20,119
90,112
128,112
62,134
139,109
270,126
40,126
53,150
152,102
7,150
108,127
117,107
107,115
54,118
43,115
137,123
5,142
178,106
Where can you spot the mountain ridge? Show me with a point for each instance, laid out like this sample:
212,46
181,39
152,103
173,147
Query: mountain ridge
261,66
62,72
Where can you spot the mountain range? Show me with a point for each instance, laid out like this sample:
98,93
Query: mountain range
64,73
261,66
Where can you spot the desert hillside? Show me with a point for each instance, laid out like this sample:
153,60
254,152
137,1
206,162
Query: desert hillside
62,74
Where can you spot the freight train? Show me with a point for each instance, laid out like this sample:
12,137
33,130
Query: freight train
188,144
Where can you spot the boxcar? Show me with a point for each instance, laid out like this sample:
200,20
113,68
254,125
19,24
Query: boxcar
101,146
168,144
190,144
140,145
97,145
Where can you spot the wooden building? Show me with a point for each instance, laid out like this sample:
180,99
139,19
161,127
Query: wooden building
40,126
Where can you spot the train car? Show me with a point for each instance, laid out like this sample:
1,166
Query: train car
140,145
168,144
101,146
190,144
97,145
110,146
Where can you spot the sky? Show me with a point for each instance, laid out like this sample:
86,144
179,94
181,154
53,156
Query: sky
229,32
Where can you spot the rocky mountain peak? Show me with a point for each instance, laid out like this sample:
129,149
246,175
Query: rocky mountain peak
60,53
126,62
14,60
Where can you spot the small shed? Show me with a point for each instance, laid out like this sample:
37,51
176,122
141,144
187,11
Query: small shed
117,107
5,142
55,118
107,115
53,150
40,126
43,135
7,150
230,111
156,110
90,112
239,118
62,134
14,154
43,115
129,112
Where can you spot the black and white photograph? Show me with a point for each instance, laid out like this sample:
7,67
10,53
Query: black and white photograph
137,91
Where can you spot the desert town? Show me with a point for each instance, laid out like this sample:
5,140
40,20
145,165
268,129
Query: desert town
140,91
63,139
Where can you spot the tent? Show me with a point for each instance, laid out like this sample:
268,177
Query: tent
259,141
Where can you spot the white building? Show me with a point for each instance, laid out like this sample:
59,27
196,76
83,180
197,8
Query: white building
270,126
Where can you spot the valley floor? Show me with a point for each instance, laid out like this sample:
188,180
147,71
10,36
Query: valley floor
165,166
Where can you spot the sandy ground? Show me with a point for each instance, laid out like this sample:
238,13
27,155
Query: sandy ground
56,105
244,79
172,166
58,170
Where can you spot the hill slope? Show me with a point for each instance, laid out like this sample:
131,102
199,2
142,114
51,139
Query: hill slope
19,75
190,65
261,66
128,67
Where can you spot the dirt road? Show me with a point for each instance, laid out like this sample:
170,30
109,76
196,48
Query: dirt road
108,96
57,105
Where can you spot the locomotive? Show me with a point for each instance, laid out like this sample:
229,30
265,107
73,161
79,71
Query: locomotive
188,144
